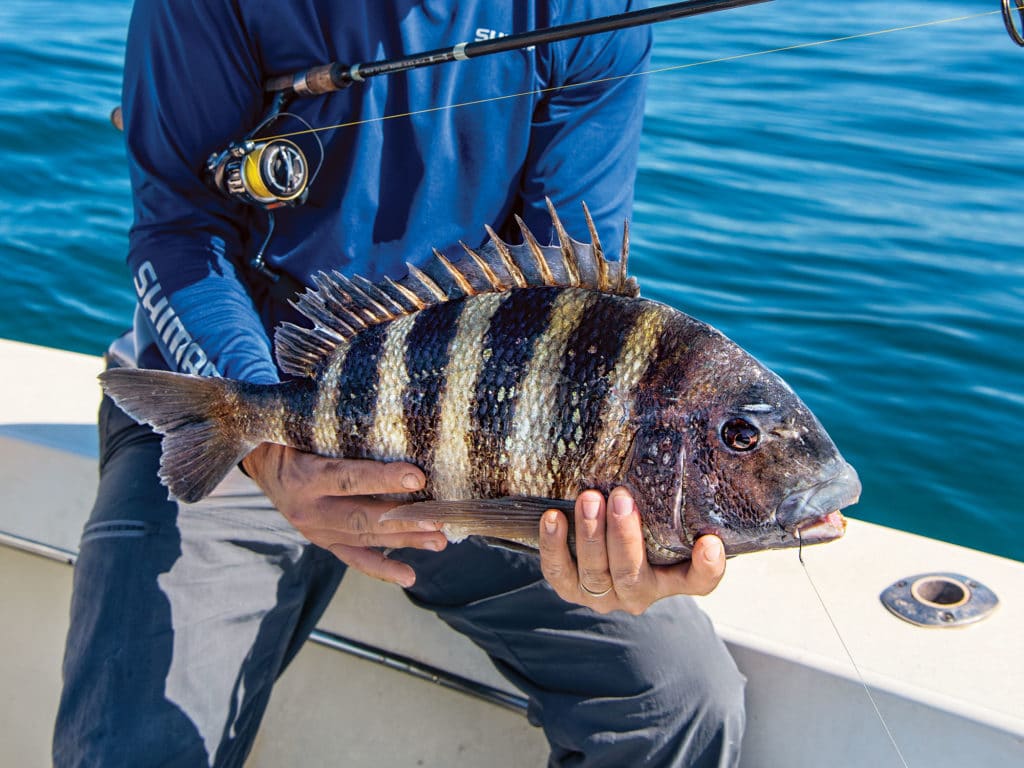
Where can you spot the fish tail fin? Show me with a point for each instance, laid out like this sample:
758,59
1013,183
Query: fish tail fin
201,443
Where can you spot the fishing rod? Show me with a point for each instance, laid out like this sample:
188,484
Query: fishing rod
274,172
337,76
271,172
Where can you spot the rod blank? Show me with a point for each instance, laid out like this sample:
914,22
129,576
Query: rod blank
337,76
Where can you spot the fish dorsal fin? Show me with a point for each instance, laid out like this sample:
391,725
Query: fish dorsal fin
340,307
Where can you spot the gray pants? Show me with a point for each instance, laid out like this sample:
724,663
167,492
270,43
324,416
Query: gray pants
183,617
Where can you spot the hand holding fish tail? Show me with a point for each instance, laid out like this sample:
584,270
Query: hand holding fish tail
332,503
611,571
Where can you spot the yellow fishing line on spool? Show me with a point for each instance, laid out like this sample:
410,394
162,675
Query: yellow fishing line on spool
253,173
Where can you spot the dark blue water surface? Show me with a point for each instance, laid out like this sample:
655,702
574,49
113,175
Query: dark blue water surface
851,213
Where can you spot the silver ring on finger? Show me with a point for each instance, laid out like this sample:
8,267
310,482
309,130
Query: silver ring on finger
592,593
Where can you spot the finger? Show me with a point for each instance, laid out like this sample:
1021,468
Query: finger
699,576
358,477
295,480
707,564
362,515
591,550
353,515
556,561
375,564
627,553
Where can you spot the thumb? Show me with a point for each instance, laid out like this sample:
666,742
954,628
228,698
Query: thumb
707,564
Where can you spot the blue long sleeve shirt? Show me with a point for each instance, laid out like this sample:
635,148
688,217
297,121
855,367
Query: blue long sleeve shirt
392,186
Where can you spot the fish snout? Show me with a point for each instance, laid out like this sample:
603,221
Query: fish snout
806,508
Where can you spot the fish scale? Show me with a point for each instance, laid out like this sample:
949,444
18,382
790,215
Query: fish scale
357,392
391,432
517,377
427,354
515,334
597,343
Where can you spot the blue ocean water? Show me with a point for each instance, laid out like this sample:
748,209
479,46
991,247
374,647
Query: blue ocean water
851,213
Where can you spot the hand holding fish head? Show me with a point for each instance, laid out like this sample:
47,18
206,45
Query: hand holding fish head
611,570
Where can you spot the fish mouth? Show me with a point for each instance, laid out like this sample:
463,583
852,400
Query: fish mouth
813,514
825,528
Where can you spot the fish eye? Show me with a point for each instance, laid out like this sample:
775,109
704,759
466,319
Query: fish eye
740,435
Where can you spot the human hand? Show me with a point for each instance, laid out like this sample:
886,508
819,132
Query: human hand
611,559
332,503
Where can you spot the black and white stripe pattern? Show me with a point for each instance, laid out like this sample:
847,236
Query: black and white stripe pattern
529,392
510,372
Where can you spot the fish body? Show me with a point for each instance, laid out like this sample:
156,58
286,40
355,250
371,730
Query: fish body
517,378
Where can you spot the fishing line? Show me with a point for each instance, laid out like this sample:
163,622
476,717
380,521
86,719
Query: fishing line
849,655
656,71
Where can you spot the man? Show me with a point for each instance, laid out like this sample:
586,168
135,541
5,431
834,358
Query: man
183,615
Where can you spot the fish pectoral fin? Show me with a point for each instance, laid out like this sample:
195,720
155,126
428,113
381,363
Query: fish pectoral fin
510,518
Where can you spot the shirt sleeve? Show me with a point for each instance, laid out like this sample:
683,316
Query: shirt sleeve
586,131
191,85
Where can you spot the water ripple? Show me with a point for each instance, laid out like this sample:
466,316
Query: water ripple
851,213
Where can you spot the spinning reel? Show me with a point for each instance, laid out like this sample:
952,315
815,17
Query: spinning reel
265,172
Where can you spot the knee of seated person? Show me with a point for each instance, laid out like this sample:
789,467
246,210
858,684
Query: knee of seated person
695,718
713,695
722,701
675,700
706,725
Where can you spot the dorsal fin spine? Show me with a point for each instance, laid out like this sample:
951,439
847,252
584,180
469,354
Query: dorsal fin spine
415,302
375,311
572,267
624,256
505,254
313,306
384,300
427,282
595,241
341,307
485,268
537,251
333,299
460,279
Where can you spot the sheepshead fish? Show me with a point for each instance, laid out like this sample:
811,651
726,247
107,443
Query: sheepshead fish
516,377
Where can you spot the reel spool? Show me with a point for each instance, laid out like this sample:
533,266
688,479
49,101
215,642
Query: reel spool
267,174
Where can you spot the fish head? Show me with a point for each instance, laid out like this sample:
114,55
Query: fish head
760,471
